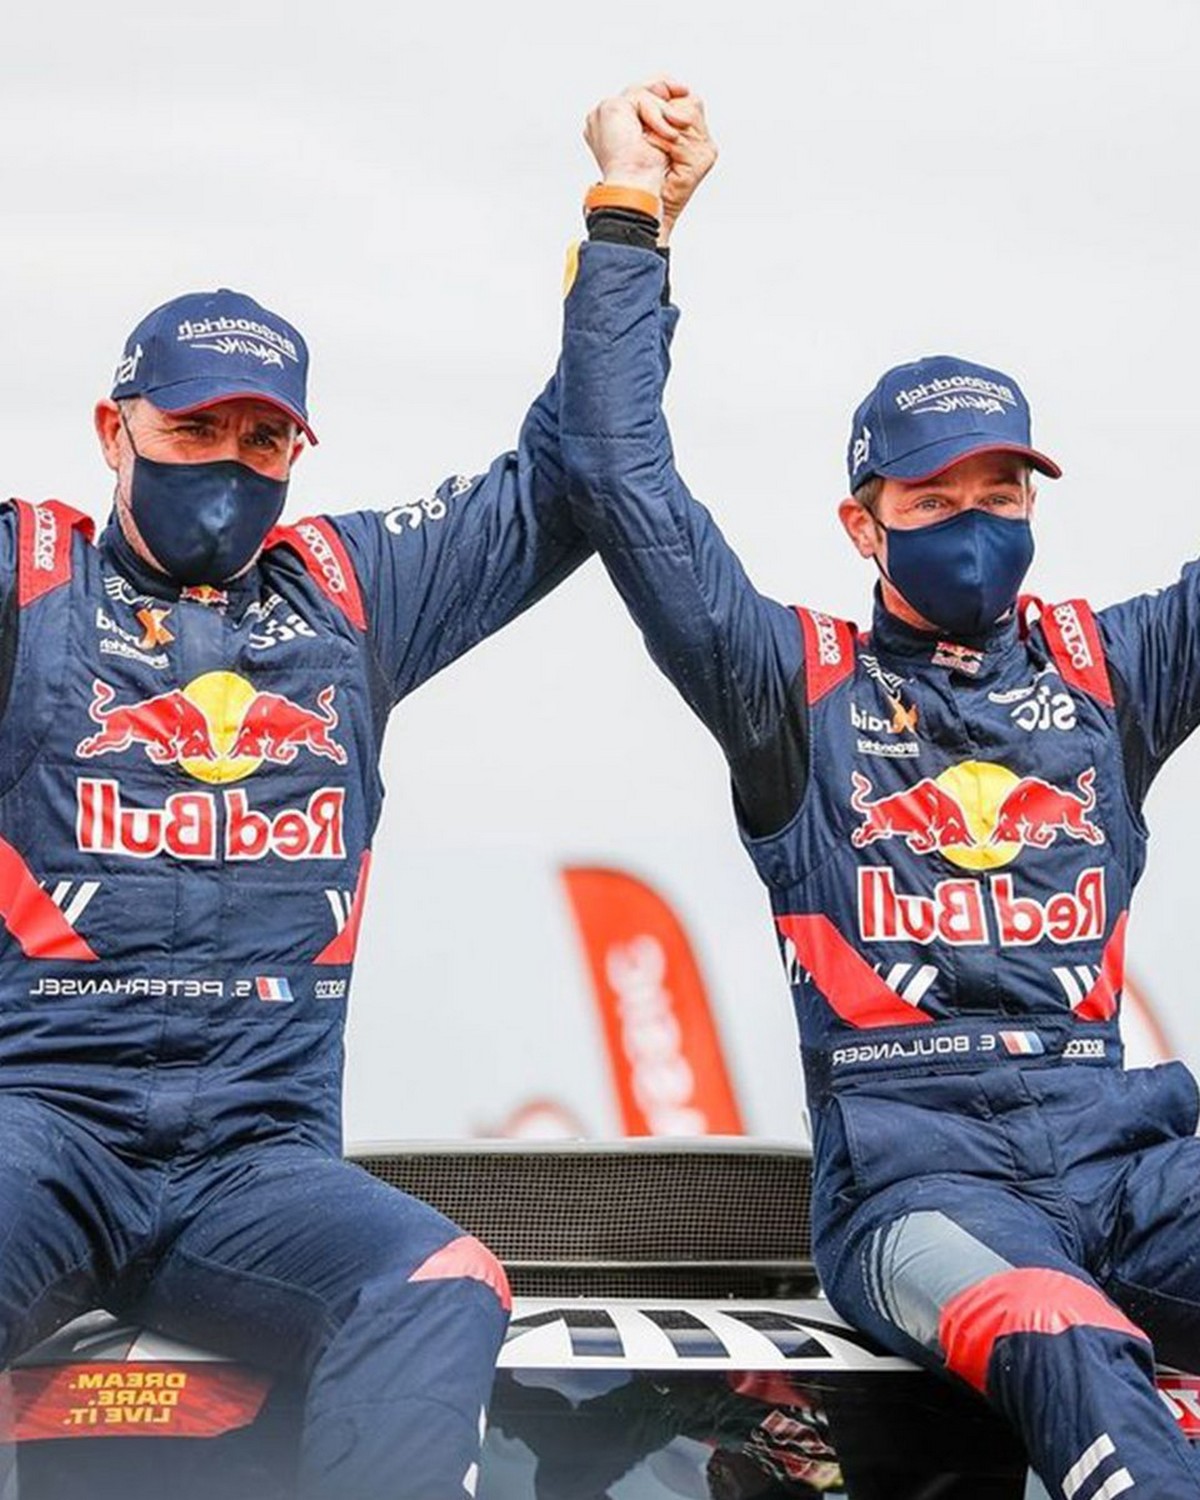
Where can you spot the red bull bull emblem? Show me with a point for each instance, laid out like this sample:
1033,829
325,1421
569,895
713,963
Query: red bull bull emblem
205,593
979,816
218,729
276,729
169,727
958,658
925,816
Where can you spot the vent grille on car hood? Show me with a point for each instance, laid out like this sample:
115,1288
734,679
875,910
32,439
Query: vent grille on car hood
708,1218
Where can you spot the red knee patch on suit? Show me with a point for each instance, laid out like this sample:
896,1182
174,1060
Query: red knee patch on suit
1028,1300
466,1256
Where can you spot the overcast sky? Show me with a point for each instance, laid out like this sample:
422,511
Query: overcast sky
1014,182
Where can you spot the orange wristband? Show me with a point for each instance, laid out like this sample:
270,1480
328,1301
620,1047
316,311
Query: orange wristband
613,195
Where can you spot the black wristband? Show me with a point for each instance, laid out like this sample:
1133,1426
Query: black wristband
623,226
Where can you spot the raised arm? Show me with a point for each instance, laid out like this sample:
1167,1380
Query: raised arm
442,572
1152,643
734,655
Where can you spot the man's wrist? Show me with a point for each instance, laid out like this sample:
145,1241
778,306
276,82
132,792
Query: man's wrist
627,189
623,226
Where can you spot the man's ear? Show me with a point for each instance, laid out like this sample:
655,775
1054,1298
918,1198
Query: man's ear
860,526
107,418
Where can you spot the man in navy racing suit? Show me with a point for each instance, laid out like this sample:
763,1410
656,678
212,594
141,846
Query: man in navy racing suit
946,810
191,717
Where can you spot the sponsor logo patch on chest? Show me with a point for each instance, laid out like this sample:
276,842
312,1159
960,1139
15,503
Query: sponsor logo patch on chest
218,729
1038,705
202,826
966,912
979,815
130,645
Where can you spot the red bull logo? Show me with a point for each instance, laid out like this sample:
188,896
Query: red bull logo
964,912
977,814
169,727
925,816
276,729
219,728
205,593
193,825
1035,812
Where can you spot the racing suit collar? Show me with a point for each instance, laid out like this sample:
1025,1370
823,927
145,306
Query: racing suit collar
969,656
148,580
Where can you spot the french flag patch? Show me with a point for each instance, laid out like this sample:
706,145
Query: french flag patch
1018,1043
279,991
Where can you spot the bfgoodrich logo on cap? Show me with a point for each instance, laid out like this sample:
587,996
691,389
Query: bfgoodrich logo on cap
960,392
925,416
206,347
238,336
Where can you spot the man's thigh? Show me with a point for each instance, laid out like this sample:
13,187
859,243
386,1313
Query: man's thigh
909,1260
1155,1249
72,1216
275,1247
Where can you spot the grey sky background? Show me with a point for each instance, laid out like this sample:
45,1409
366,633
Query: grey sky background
1015,183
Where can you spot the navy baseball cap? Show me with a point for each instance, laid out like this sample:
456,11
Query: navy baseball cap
923,417
206,347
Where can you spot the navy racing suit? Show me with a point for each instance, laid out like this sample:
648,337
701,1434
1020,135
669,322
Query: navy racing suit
189,786
950,832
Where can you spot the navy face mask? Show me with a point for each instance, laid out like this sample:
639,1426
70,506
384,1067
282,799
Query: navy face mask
962,574
203,522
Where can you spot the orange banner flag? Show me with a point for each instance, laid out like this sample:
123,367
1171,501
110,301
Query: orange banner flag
667,1063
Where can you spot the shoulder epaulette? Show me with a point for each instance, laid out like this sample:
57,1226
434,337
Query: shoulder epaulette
828,651
1073,640
44,534
324,554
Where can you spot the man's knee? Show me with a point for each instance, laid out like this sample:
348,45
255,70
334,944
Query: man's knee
1022,1300
467,1259
454,1303
412,1336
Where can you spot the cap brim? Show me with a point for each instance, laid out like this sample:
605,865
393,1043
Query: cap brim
198,395
928,463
